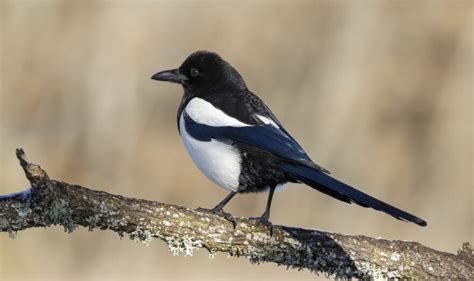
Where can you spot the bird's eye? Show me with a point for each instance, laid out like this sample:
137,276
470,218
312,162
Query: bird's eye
194,72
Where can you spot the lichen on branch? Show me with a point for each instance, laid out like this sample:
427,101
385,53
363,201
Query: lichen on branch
50,202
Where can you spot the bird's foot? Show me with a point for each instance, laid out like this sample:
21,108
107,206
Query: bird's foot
264,221
229,217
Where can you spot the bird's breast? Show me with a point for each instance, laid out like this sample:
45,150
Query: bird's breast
219,161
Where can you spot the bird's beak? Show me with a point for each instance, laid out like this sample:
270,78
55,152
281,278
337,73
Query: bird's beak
172,75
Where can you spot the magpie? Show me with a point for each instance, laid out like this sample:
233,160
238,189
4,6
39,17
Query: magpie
238,143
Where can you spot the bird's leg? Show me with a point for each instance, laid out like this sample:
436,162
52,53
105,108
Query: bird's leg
264,218
218,209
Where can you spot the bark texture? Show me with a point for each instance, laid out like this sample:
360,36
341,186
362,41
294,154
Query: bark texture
50,202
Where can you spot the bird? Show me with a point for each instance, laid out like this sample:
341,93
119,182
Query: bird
235,140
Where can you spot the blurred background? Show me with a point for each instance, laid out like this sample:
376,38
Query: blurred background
378,92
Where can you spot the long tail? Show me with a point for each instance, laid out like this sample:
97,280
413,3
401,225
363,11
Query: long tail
339,190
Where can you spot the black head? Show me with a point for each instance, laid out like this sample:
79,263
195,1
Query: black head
203,71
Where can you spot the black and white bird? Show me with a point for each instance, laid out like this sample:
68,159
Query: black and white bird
237,142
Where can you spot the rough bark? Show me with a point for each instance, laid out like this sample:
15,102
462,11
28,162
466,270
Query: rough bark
50,202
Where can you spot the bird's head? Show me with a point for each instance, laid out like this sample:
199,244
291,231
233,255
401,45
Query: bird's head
203,71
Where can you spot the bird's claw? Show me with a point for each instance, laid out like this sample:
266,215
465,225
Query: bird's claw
229,217
264,221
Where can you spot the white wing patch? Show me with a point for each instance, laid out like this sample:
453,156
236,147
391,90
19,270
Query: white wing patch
203,112
267,121
220,162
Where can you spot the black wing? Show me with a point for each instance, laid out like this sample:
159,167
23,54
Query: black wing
262,139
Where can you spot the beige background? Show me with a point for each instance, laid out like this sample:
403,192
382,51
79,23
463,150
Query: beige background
380,93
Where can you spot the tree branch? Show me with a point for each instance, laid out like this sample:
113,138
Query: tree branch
50,202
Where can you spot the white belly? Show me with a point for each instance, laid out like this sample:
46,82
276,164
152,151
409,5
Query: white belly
220,162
